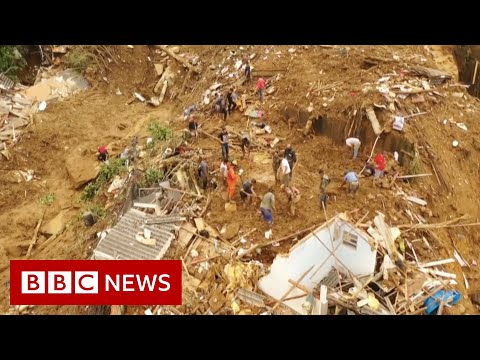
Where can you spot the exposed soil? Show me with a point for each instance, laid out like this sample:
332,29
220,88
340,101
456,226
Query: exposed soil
81,123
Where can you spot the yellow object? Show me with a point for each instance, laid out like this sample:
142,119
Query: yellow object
373,302
235,308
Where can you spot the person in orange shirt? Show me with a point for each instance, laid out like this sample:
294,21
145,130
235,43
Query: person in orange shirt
231,180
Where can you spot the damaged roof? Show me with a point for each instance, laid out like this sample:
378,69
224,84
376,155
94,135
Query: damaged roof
120,242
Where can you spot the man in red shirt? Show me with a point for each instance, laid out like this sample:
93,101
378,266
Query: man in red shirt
261,88
379,161
102,153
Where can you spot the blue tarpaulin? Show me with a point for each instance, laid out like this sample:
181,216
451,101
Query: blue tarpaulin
433,302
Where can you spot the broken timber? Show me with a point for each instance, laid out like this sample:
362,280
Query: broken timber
377,129
179,59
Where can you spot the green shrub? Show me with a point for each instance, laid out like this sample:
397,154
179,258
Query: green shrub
78,58
153,176
160,132
90,191
98,211
107,173
47,199
9,64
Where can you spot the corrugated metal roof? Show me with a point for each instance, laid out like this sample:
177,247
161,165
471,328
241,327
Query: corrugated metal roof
5,82
120,243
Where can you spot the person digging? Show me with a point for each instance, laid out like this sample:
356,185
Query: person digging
247,192
352,181
267,206
293,196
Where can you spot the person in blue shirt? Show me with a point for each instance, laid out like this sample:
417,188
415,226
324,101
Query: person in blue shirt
352,181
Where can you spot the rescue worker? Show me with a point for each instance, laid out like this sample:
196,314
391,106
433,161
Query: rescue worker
193,127
261,88
352,181
379,161
245,143
293,195
291,156
247,191
267,206
231,101
324,181
102,153
231,180
284,172
224,139
248,71
203,173
223,171
276,160
354,143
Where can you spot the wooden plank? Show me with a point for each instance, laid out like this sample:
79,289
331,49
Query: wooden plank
377,129
199,223
416,200
412,176
437,263
185,234
292,288
323,300
35,233
179,59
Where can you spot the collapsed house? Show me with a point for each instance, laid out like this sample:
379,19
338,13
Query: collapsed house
336,245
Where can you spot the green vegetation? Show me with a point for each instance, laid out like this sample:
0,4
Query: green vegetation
153,176
160,132
97,211
47,199
107,173
11,60
416,165
79,58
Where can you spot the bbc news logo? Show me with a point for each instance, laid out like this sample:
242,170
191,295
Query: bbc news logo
96,282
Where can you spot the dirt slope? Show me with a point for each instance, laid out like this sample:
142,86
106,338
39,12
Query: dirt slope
83,122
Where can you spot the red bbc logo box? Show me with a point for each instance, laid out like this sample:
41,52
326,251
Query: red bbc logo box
96,282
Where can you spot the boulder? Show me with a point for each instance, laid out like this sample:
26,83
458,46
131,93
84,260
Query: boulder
54,226
81,170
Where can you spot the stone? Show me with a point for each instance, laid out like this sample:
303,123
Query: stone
461,309
230,207
4,261
81,170
14,250
231,230
476,298
159,69
370,197
54,226
175,49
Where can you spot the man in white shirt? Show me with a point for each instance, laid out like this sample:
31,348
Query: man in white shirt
285,171
355,144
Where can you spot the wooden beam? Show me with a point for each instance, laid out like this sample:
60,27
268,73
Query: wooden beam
35,233
292,288
179,59
413,176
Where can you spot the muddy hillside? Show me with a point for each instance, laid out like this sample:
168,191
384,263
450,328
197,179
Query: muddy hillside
405,242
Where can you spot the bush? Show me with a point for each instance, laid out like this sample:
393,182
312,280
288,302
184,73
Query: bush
153,176
98,211
47,199
78,58
9,64
89,191
160,132
107,173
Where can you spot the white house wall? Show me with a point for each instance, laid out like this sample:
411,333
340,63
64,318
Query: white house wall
360,261
310,251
